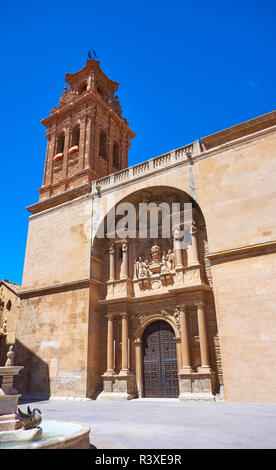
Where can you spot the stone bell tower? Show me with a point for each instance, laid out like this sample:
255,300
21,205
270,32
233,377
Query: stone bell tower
87,136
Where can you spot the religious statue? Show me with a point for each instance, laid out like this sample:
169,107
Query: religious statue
164,263
142,267
171,260
155,254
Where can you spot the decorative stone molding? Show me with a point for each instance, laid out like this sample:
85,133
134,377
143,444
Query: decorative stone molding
192,274
118,387
196,386
138,322
119,288
219,364
241,252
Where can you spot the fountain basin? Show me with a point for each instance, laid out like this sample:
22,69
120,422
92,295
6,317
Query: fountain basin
56,435
10,371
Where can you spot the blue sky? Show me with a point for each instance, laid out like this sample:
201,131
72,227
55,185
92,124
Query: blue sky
186,70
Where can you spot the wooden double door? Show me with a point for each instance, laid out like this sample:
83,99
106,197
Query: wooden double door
159,361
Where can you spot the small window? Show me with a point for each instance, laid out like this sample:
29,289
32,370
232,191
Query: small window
103,145
9,304
116,156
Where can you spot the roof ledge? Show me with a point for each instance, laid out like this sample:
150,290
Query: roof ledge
240,130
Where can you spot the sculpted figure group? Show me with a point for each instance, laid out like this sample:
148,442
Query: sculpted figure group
166,263
142,268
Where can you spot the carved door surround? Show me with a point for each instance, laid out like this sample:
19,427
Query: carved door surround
196,378
186,315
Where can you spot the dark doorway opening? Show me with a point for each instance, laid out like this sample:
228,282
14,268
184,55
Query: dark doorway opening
160,361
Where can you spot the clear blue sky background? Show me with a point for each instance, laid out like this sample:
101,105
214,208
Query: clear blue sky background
186,69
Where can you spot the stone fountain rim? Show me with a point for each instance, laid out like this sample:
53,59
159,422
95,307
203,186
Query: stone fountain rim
10,370
84,429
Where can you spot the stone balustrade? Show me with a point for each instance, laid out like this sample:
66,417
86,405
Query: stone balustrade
149,166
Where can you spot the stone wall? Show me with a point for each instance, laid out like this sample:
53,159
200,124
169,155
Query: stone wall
52,343
245,293
58,246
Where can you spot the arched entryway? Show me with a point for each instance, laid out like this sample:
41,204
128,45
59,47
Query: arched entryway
159,361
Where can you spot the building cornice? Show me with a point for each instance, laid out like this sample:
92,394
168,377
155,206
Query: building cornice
240,130
171,293
14,288
60,198
89,98
52,289
241,252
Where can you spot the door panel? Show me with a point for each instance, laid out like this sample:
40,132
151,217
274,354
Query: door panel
160,363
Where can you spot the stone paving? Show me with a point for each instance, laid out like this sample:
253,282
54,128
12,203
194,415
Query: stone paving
168,423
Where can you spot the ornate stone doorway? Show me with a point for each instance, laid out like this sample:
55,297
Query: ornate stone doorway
159,361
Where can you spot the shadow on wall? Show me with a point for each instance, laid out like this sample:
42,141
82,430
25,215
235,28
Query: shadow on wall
33,381
4,347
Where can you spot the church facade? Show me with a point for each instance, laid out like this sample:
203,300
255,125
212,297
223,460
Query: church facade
110,310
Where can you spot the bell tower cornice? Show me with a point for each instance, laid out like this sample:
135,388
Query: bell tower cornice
85,105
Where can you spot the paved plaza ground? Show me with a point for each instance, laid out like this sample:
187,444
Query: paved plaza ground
168,423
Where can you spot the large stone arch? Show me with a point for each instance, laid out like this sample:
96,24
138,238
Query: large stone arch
118,303
104,203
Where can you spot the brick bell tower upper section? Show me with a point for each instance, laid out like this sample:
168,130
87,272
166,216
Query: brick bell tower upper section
87,136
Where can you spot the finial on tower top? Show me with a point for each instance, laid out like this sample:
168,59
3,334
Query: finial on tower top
94,55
